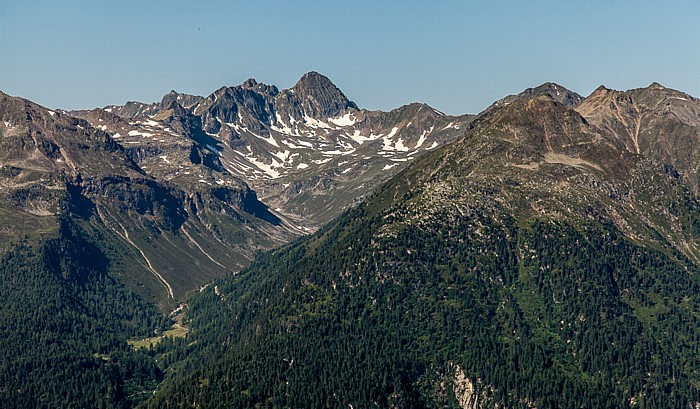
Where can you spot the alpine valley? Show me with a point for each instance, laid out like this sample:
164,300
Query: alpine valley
267,248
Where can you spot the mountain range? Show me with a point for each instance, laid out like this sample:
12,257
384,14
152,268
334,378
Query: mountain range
307,151
204,182
544,253
548,257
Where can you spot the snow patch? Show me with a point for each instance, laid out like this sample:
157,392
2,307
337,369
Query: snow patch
262,166
388,142
345,120
451,125
291,144
138,133
271,140
387,167
315,123
360,139
302,166
52,113
212,149
304,143
283,156
284,128
400,146
335,152
423,136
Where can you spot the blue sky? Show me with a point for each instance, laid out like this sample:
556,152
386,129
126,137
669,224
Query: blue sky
457,56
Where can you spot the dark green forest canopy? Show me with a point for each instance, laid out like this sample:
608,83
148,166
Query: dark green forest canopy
538,313
65,322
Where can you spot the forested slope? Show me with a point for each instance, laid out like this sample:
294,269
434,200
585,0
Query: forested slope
536,262
65,322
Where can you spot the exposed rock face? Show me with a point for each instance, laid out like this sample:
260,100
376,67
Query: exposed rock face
318,97
288,161
185,100
465,392
653,121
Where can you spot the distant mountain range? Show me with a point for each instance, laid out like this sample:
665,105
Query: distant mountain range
308,152
204,182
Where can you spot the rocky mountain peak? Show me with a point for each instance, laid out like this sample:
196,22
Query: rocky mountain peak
602,89
557,93
185,100
553,91
263,89
314,79
319,97
249,83
654,121
289,146
550,90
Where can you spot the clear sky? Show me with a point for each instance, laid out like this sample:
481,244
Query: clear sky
457,56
